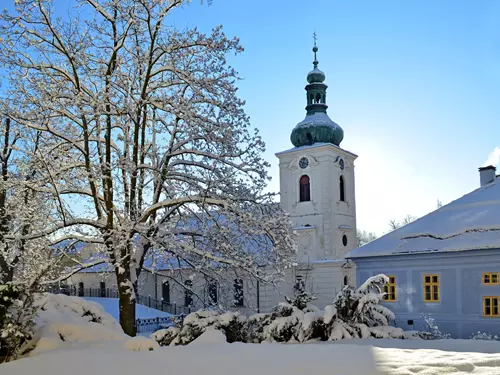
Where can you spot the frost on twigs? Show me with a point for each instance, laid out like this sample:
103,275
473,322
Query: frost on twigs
142,126
432,332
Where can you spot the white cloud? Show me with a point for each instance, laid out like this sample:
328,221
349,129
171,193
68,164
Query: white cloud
493,157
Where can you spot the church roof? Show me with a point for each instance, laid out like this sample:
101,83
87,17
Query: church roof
471,222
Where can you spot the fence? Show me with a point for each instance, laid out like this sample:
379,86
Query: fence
143,325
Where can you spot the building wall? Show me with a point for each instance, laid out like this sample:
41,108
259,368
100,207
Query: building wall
323,280
460,309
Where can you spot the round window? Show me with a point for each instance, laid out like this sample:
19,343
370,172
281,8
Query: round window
344,240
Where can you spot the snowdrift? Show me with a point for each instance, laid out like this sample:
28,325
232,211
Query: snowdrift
65,321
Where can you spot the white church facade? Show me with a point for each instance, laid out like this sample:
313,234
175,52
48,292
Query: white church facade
317,190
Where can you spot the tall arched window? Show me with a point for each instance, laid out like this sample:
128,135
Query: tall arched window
342,188
305,189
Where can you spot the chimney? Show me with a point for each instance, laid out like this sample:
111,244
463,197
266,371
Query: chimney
487,174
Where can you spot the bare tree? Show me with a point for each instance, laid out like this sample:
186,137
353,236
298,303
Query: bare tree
395,224
154,159
363,237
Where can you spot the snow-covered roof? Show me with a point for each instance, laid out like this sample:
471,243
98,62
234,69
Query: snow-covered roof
471,222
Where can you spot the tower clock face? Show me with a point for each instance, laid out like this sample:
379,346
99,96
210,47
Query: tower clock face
341,163
303,163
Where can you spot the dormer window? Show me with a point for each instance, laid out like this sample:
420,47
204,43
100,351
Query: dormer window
342,188
305,189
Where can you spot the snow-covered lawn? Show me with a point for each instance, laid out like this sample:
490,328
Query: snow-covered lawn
354,357
142,312
78,337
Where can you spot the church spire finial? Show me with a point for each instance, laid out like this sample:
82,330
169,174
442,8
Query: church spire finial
315,49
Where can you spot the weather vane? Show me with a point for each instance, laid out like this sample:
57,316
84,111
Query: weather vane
314,37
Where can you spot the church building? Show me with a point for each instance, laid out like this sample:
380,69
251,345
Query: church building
317,190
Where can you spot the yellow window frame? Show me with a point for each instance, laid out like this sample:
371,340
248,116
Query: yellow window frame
490,278
432,282
390,294
491,307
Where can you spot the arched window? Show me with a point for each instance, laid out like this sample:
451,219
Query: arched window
346,280
318,97
305,189
238,292
342,188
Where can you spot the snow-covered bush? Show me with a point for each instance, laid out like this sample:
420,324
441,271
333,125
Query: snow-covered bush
433,332
232,324
165,336
484,336
63,319
16,319
296,320
357,313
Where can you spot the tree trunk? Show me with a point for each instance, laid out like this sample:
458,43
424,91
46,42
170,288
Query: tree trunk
126,304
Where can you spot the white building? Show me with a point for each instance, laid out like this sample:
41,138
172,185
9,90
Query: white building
317,189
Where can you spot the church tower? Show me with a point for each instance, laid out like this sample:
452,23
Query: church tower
317,180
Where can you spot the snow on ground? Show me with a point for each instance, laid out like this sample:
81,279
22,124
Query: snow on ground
209,337
347,358
77,336
464,346
142,312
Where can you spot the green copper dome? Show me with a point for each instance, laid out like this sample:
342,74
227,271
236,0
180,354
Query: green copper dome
317,127
316,76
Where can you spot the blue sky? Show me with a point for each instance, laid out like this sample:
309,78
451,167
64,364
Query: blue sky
414,84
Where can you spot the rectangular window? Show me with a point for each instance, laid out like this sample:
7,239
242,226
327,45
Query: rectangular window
390,290
491,278
165,292
432,288
212,293
300,285
188,293
238,292
490,307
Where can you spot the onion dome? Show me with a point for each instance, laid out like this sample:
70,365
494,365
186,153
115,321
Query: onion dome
317,127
